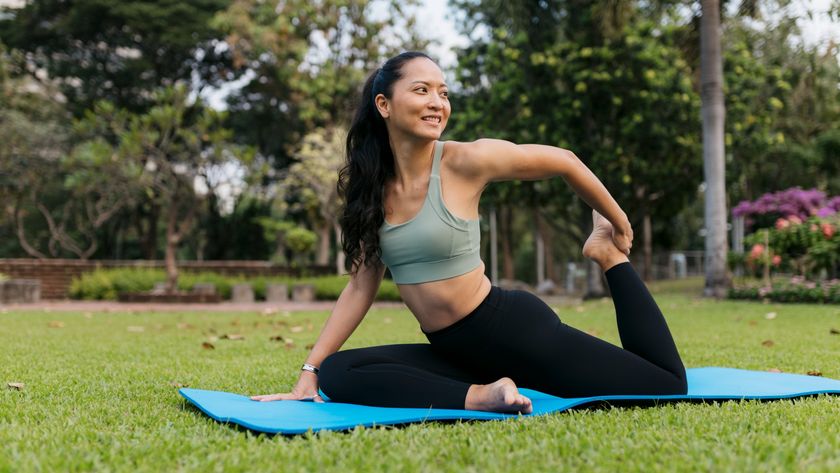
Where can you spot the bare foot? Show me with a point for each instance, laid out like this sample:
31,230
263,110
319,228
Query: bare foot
599,247
500,396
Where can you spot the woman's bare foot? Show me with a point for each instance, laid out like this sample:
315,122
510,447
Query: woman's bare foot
500,396
599,247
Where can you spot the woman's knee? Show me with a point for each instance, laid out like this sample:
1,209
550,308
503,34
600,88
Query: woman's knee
332,372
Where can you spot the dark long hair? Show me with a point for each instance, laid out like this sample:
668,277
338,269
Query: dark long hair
370,162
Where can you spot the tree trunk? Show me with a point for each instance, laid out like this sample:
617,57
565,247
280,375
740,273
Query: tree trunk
323,257
505,237
339,252
548,247
647,246
172,238
713,111
539,252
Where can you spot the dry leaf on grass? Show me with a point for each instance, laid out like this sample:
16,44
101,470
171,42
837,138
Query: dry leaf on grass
184,326
834,331
55,324
233,336
15,386
296,329
768,343
814,373
208,346
774,370
268,311
135,328
289,344
753,323
309,346
276,338
770,315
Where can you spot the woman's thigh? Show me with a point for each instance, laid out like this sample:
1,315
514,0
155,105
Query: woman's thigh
525,340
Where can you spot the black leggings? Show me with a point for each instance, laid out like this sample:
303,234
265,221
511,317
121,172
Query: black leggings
514,333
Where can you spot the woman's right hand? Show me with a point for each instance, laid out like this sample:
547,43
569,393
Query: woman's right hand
305,389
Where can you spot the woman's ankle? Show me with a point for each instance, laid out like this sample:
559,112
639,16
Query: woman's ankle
613,259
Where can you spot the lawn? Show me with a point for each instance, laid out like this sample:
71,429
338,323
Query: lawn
100,393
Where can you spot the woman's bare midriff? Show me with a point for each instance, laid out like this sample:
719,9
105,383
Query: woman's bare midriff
439,304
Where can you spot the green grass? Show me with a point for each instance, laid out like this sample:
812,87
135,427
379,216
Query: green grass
99,395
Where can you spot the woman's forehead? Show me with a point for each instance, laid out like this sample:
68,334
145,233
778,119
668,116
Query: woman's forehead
423,70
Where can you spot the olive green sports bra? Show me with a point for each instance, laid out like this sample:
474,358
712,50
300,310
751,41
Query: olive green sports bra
433,245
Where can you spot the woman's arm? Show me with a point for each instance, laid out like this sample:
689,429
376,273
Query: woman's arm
350,308
489,160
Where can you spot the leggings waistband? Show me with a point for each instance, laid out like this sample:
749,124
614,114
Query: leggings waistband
492,300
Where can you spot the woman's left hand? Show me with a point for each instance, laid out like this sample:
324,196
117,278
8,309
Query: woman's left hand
623,237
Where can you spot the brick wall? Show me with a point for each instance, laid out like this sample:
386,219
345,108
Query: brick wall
55,274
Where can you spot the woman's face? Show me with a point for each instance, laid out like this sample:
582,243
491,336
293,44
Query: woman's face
419,104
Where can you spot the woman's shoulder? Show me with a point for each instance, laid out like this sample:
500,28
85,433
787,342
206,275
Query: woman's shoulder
466,158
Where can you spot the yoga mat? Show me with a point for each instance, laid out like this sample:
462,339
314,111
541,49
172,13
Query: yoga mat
296,417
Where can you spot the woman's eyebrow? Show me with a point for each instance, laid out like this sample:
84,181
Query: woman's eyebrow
428,83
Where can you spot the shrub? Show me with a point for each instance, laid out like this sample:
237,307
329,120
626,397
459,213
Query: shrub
105,284
797,289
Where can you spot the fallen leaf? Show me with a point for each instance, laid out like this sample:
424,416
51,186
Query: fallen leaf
753,322
774,370
56,324
233,336
296,329
176,384
269,311
184,326
135,328
212,339
15,386
768,343
814,373
276,338
289,344
309,346
834,331
770,315
208,346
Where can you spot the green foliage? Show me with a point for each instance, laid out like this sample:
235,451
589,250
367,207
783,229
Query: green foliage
106,284
793,290
810,248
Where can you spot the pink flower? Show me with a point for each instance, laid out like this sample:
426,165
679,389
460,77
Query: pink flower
757,250
794,219
814,227
828,230
781,224
777,260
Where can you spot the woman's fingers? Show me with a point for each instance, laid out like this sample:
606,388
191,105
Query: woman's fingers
271,397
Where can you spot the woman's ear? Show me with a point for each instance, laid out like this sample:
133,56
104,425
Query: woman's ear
382,105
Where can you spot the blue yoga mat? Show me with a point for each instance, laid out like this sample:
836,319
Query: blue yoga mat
295,417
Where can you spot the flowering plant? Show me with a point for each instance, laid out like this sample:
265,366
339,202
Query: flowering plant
794,204
809,246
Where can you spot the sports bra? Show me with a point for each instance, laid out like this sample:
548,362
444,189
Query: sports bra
434,244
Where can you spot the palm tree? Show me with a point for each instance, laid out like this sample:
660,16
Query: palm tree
713,111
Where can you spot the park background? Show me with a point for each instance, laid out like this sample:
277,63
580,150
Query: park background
176,144
214,131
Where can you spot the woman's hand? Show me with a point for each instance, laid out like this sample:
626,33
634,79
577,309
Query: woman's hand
305,389
623,237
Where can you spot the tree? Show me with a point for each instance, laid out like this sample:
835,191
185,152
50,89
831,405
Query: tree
310,185
711,70
175,145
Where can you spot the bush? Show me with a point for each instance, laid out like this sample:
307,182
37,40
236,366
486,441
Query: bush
105,284
797,289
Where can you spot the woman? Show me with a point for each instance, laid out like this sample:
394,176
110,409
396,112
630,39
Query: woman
484,340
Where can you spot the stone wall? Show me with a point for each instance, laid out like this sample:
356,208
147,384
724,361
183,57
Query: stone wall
55,274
